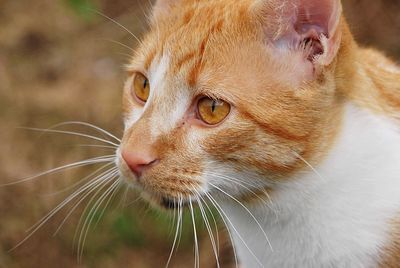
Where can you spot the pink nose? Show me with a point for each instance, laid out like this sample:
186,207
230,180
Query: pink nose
138,162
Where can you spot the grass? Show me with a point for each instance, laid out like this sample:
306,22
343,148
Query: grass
83,8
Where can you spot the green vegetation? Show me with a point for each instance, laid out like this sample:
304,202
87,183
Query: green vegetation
84,8
127,229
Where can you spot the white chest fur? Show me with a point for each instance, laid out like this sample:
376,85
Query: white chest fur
337,218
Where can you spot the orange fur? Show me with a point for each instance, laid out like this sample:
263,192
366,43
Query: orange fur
285,116
391,254
218,49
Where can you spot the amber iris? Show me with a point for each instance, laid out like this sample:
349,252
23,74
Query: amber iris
213,112
141,87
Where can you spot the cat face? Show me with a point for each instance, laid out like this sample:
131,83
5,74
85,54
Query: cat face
229,96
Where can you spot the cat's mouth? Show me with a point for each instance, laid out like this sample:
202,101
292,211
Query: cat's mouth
170,204
167,195
167,202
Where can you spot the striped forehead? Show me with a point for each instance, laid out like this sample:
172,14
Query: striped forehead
187,42
173,78
175,63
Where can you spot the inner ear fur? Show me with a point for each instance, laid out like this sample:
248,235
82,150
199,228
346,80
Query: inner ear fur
308,25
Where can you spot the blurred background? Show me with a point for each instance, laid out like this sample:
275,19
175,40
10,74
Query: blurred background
61,62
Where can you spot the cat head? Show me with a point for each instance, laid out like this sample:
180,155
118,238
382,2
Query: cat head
230,96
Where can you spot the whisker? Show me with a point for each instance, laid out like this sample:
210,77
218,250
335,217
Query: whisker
43,221
119,43
122,202
252,184
88,177
118,24
146,13
133,202
101,181
87,162
214,221
91,215
309,165
96,146
196,243
247,210
270,204
180,228
107,179
243,182
85,187
227,228
72,133
87,125
240,183
96,207
172,219
248,183
234,228
84,213
126,57
209,230
178,224
110,198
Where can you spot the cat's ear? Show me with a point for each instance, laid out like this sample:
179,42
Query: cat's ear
311,25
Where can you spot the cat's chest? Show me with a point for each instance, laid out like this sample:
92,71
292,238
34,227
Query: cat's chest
316,238
336,218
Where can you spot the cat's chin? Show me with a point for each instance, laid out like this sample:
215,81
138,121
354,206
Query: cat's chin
157,200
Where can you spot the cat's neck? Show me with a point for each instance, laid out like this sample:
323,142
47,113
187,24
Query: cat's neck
338,214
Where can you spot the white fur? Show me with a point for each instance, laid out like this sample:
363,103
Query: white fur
391,68
337,218
171,106
156,77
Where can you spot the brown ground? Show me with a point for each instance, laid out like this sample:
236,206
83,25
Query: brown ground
55,66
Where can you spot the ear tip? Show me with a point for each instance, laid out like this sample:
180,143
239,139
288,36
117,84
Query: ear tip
335,18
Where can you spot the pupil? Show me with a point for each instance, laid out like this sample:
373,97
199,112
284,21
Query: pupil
145,83
214,106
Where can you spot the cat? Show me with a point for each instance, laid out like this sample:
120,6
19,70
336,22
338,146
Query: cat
269,111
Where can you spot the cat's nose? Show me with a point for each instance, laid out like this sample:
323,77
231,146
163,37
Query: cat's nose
139,162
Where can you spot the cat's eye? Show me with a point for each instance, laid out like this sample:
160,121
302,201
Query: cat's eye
213,112
141,87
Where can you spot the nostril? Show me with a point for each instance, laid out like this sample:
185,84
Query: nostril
154,162
138,162
141,167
